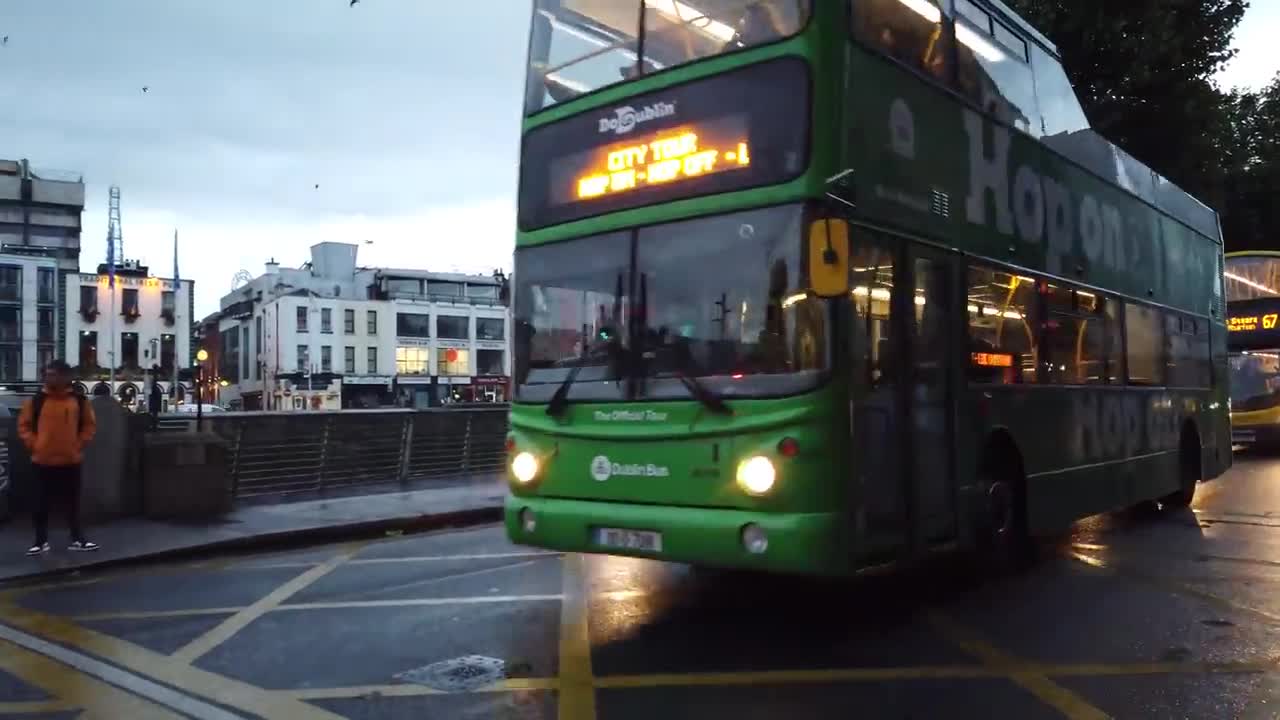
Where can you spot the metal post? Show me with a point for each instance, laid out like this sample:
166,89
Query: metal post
406,447
325,436
199,397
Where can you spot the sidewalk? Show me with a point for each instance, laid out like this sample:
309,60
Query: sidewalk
137,539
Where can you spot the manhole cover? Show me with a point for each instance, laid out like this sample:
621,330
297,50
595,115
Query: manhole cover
457,675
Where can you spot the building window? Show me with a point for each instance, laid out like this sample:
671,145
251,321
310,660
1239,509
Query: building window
413,325
257,332
10,283
10,364
44,357
10,325
1002,327
412,361
491,329
168,353
349,359
444,290
245,352
45,327
129,350
129,302
168,305
372,328
326,321
302,319
229,362
326,359
372,359
1144,339
454,361
88,350
404,287
46,287
482,292
452,327
490,362
304,359
349,322
88,299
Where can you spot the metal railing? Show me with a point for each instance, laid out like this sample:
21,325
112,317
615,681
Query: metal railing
274,453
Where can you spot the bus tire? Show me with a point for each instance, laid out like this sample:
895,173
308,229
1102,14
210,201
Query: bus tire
1004,537
1189,471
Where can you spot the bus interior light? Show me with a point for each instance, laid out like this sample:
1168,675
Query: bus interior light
756,475
924,9
524,467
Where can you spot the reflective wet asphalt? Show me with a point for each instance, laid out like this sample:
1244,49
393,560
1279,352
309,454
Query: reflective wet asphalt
1130,616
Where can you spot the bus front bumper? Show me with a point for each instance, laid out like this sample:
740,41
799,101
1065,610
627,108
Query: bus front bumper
804,543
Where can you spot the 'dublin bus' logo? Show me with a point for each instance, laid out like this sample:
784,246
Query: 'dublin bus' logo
626,118
600,468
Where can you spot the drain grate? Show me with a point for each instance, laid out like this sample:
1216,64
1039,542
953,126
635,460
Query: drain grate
462,674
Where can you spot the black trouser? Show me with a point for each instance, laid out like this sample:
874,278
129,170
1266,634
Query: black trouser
60,485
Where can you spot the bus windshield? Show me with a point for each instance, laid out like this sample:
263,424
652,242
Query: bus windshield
713,299
578,46
1255,380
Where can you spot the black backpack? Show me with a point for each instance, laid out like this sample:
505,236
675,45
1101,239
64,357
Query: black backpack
37,404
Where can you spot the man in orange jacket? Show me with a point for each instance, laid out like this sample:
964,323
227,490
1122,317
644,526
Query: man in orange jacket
55,426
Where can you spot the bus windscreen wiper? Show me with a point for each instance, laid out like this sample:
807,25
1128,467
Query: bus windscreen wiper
560,400
709,399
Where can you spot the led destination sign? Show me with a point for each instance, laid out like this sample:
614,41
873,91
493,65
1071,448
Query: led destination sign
737,130
665,158
1253,324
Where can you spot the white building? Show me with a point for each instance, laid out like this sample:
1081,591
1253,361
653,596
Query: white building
331,335
145,328
39,247
29,315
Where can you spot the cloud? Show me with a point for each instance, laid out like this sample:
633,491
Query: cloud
405,113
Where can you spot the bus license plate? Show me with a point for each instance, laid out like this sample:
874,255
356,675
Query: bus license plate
629,539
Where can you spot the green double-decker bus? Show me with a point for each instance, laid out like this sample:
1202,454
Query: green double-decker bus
813,287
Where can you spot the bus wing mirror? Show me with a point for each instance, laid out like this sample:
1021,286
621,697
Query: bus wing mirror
829,257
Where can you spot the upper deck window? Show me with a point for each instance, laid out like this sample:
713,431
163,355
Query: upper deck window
579,46
909,31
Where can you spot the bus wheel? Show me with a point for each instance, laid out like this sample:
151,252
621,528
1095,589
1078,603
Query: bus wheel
1188,472
1004,539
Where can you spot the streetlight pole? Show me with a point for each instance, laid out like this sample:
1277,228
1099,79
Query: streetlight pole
201,356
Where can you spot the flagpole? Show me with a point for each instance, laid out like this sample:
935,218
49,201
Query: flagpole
177,287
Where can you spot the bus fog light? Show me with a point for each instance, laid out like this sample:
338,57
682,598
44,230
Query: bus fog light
528,521
524,467
756,475
754,539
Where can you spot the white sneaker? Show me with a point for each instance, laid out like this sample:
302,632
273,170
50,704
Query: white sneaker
85,546
38,549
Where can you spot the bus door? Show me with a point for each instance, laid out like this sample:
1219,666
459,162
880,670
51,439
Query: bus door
903,315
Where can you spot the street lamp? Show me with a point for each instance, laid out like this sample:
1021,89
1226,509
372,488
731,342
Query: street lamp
201,356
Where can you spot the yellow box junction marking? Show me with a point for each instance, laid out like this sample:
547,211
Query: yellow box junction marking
577,696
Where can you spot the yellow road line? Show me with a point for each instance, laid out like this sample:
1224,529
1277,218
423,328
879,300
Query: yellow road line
74,689
33,707
1026,675
156,614
410,690
576,699
225,630
161,668
478,600
445,558
1174,587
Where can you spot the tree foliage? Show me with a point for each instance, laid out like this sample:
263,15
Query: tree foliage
1144,69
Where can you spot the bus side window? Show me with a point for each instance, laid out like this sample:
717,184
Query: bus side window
1144,343
911,33
993,70
1003,335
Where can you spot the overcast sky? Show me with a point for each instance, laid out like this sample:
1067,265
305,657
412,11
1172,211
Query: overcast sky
404,112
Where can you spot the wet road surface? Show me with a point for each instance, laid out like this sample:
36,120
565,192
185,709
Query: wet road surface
1132,616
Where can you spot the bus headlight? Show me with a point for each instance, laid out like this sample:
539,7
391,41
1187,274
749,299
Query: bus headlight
524,466
756,475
